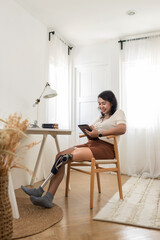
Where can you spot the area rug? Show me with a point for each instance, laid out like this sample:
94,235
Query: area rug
34,219
140,206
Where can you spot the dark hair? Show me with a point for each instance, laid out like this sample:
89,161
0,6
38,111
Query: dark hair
110,97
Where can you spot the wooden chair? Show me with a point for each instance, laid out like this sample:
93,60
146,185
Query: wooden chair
95,168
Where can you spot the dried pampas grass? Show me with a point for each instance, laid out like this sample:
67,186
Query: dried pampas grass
10,142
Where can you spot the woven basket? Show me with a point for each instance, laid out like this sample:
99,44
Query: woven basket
6,219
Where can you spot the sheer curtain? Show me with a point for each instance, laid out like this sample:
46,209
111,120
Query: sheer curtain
140,94
58,108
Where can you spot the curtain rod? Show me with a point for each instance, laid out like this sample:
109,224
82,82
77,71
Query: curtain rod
69,48
133,39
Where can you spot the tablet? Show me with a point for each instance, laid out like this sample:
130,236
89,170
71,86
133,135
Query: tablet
84,127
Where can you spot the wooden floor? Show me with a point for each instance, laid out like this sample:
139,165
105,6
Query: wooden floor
77,223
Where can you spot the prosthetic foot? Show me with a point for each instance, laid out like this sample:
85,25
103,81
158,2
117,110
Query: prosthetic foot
37,192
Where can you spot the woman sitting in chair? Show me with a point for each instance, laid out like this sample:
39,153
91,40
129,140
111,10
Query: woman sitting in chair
111,122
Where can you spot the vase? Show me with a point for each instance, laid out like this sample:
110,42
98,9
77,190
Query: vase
6,218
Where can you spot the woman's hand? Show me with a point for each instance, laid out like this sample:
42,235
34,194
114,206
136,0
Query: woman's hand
94,133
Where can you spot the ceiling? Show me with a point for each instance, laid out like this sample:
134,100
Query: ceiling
82,22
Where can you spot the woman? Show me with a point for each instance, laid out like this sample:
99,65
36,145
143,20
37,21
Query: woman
111,122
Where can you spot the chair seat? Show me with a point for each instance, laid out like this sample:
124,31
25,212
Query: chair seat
105,161
101,161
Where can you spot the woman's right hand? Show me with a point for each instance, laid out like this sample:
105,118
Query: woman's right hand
94,133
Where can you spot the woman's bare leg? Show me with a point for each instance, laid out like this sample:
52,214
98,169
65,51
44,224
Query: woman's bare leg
81,154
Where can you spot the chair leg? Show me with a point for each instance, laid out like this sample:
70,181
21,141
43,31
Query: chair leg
98,180
119,184
92,182
67,178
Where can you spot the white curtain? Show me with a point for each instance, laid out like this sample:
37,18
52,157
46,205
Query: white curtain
140,94
58,108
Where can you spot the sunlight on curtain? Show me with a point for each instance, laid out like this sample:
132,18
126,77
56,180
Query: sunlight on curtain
140,81
58,108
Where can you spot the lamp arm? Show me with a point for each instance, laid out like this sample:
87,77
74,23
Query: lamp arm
38,99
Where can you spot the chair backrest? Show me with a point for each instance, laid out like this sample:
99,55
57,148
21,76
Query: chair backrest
115,145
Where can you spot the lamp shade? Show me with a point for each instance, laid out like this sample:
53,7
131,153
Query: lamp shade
49,92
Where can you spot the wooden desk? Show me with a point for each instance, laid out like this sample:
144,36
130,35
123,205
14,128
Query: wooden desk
45,132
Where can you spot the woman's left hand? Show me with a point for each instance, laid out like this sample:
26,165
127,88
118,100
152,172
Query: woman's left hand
94,133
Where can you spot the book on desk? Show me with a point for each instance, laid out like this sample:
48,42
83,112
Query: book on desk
50,125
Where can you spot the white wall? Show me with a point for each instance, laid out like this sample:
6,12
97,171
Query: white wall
23,70
102,53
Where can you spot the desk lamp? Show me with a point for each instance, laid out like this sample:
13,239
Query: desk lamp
47,92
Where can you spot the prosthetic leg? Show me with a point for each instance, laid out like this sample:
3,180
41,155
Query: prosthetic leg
37,192
58,163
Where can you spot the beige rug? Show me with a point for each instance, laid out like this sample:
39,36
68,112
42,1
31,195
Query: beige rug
34,219
140,207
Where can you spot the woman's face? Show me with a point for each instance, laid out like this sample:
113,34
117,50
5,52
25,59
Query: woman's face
104,106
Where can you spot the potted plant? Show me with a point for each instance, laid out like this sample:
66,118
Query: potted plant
11,134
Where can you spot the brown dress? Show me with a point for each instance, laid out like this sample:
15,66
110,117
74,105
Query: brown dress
99,149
